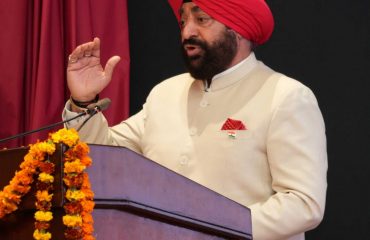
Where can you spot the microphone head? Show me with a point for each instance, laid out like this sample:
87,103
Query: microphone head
101,105
104,104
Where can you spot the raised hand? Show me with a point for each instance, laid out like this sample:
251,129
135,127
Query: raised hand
85,75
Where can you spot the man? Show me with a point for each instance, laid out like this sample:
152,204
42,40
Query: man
232,124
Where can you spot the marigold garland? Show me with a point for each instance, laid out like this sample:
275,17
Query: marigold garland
78,219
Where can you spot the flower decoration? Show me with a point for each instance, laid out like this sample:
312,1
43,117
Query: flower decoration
79,206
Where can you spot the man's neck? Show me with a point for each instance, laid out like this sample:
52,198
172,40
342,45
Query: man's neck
239,57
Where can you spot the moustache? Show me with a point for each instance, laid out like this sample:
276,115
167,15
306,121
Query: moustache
194,41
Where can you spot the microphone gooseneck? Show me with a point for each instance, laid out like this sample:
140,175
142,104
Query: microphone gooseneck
91,110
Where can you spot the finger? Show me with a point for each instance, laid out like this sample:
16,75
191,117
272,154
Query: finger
72,59
111,64
88,50
85,50
74,56
79,52
96,47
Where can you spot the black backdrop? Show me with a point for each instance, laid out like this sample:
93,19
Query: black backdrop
325,45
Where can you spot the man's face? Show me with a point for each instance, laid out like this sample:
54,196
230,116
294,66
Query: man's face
208,46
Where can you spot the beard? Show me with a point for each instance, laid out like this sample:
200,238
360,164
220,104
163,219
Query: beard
213,59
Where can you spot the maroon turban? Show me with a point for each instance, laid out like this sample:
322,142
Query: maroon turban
250,18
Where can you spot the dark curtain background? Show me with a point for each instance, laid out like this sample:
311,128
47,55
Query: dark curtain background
325,45
37,37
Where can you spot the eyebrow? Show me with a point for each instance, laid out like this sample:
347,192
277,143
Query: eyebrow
194,9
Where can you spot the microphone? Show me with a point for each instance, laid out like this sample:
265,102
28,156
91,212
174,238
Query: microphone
99,106
90,110
94,108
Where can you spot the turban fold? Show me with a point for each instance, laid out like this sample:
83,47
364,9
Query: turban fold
250,18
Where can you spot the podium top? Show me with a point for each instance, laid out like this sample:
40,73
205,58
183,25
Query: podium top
119,175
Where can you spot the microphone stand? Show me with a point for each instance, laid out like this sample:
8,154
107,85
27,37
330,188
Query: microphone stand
90,112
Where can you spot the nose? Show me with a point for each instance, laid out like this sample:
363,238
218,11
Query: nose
189,30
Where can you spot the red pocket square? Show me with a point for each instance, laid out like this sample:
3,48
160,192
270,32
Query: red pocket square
232,124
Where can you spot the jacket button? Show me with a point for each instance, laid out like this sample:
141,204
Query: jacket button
184,160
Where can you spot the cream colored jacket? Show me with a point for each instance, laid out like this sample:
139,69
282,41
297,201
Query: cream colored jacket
277,167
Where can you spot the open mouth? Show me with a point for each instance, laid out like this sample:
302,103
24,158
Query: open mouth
192,50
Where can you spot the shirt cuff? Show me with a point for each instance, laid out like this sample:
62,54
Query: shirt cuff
68,114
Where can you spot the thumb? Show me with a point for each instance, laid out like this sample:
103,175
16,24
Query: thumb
111,64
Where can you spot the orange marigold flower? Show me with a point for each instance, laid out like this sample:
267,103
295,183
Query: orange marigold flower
73,233
42,225
22,190
11,196
44,186
87,228
9,206
88,237
73,208
89,194
29,162
87,218
74,167
86,161
43,206
81,149
73,181
47,167
86,181
2,212
88,206
24,178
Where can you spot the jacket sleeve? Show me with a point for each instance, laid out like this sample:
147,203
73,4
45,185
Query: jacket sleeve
127,133
296,151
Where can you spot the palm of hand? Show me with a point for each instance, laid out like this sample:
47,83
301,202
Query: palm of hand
86,78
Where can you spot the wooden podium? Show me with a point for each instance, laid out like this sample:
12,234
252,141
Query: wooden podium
135,199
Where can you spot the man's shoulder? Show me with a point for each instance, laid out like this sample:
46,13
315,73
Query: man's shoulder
290,89
286,82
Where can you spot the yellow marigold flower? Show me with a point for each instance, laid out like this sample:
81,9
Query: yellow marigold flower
66,136
74,167
44,196
44,177
38,235
48,147
35,152
74,195
72,220
43,216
